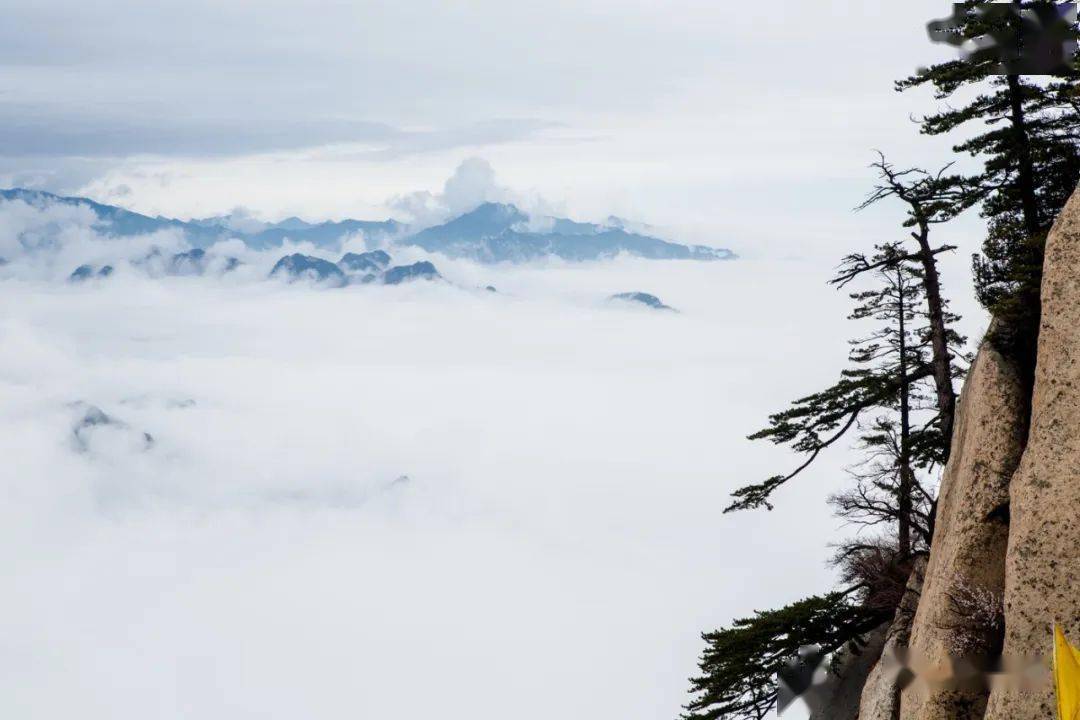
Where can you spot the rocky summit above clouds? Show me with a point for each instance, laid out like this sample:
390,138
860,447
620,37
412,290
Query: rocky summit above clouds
198,262
88,272
641,298
373,261
417,271
491,232
93,426
307,267
352,269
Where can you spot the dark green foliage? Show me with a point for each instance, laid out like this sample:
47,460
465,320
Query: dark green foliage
815,422
931,199
739,665
1008,282
887,489
1030,166
892,361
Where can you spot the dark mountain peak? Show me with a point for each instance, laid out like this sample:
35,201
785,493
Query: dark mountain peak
195,255
88,272
308,267
422,270
91,418
372,261
641,298
197,262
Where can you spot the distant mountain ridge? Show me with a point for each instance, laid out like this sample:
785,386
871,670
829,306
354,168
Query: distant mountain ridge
204,232
497,232
491,232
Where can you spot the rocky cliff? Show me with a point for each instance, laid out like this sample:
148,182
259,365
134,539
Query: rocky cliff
1005,561
965,577
1042,564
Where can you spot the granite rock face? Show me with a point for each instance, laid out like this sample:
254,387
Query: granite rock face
958,613
1042,564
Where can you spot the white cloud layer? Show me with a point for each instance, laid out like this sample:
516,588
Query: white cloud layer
556,547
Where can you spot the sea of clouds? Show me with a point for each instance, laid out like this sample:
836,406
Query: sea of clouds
391,502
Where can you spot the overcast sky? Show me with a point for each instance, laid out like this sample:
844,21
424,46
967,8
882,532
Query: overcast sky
697,115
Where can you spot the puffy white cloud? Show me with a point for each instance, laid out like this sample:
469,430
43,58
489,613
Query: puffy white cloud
472,183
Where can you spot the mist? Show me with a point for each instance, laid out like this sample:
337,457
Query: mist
396,501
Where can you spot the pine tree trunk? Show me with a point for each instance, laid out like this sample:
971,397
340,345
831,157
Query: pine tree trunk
939,340
904,505
1025,166
1025,169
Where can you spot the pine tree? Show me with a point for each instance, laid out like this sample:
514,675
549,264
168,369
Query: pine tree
891,382
739,665
931,199
1030,166
888,368
893,350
